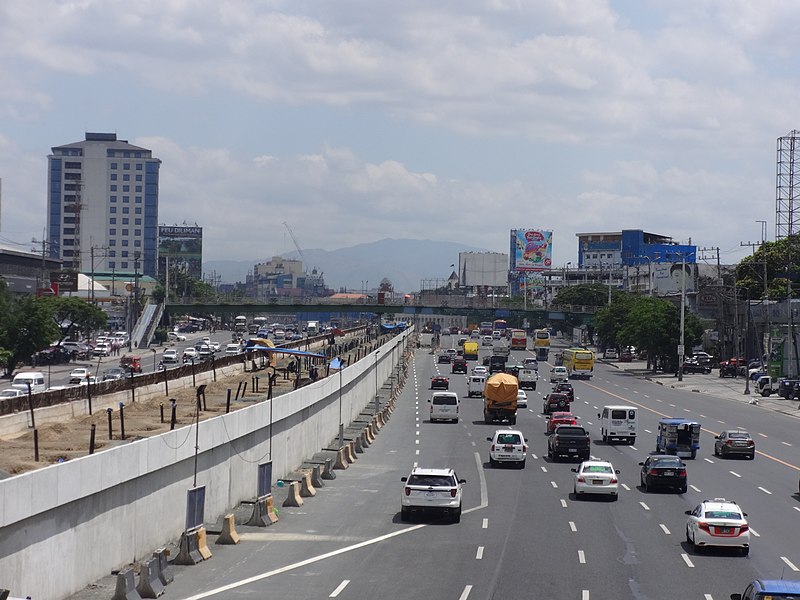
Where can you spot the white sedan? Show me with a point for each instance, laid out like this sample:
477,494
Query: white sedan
718,522
522,399
480,370
596,477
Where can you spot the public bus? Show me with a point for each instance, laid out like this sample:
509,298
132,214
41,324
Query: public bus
518,340
486,328
579,362
500,325
240,324
541,338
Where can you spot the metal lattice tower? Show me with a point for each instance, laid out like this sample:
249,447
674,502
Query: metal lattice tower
787,203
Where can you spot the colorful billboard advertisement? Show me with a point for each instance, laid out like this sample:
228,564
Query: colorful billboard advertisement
531,250
181,248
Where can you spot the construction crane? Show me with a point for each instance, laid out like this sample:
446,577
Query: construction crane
296,245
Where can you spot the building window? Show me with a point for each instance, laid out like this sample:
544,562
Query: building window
137,155
125,220
69,220
113,165
73,176
124,242
138,210
113,210
126,198
139,167
113,177
112,253
125,210
68,253
138,199
124,265
138,189
125,232
138,177
112,264
112,242
137,232
113,188
137,221
126,166
68,242
72,165
126,177
113,198
124,254
69,231
70,187
137,243
112,232
112,221
126,188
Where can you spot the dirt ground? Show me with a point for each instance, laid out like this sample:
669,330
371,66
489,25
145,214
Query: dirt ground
59,442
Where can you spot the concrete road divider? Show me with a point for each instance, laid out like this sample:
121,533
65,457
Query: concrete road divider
316,474
306,486
229,534
325,469
189,553
350,453
126,586
293,495
164,570
370,433
202,543
263,513
341,461
150,585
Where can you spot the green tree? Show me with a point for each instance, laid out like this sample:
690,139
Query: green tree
782,258
30,327
609,321
75,314
588,294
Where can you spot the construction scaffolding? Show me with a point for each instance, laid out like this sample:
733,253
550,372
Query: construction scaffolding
787,203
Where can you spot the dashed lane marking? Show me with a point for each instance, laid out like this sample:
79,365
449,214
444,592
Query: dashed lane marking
735,474
708,460
581,557
762,434
572,527
534,456
633,448
647,431
703,417
417,451
339,588
585,595
786,444
479,553
687,560
554,484
563,503
754,532
465,594
544,469
765,490
664,528
789,564
696,489
644,506
672,405
625,486
485,524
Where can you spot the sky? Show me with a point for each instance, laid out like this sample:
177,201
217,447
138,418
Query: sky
358,120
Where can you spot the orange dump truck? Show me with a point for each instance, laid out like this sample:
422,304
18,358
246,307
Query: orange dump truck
500,399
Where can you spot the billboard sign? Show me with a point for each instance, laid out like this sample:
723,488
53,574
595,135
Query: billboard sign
181,248
66,281
667,278
531,250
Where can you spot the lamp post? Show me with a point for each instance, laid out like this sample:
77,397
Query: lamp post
341,422
649,274
376,382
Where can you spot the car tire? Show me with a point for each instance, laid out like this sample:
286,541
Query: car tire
688,539
683,489
614,497
522,464
745,550
644,484
715,450
405,514
513,420
752,456
605,438
456,518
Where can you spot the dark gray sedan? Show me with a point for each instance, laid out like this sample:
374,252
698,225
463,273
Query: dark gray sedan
734,443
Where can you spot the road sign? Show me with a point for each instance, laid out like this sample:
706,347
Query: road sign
680,349
67,281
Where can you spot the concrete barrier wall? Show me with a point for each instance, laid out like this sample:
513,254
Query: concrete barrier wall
67,525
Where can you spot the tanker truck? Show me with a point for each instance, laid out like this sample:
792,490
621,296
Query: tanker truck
500,399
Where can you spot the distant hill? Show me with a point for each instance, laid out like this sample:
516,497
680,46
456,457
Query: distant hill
404,262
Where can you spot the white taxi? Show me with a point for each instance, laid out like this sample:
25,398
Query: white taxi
596,477
508,445
718,522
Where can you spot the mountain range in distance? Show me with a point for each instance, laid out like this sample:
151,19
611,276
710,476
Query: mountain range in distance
404,262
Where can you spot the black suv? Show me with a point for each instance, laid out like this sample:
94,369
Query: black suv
459,365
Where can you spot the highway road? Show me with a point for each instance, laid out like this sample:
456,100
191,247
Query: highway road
523,534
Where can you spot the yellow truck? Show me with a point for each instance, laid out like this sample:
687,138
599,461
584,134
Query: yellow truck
500,399
470,350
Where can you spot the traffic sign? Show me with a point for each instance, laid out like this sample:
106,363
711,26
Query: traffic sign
681,348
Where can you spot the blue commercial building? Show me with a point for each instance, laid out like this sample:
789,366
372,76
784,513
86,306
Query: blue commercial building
630,247
102,205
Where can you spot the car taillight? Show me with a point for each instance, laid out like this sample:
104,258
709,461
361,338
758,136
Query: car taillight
682,473
525,448
493,447
652,472
453,493
408,491
614,480
751,443
703,526
743,528
581,479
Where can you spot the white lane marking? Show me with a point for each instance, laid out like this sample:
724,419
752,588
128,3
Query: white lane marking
754,532
694,488
588,422
664,528
647,431
786,443
625,486
339,588
417,451
644,506
303,563
544,469
734,473
416,432
646,395
485,524
789,564
465,594
708,597
595,408
721,422
797,508
484,488
686,410
416,441
585,595
635,391
763,435
554,484
672,405
687,560
563,503
416,464
657,400
479,553
534,456
586,403
473,443
572,527
703,417
766,491
708,460
581,557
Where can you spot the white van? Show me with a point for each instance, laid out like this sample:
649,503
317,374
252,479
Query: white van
444,406
475,385
35,378
618,422
528,378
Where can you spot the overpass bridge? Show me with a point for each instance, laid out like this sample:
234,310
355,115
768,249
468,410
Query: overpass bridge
417,310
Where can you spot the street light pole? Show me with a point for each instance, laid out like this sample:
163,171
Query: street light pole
377,403
681,348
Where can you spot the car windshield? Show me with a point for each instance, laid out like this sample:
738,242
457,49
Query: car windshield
508,438
597,469
723,514
431,480
666,462
450,400
617,414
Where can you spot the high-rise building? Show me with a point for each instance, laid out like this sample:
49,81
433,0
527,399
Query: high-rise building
103,205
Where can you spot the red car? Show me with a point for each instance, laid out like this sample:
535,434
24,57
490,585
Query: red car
565,387
560,418
555,402
440,383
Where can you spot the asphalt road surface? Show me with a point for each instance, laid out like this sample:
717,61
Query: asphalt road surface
522,534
